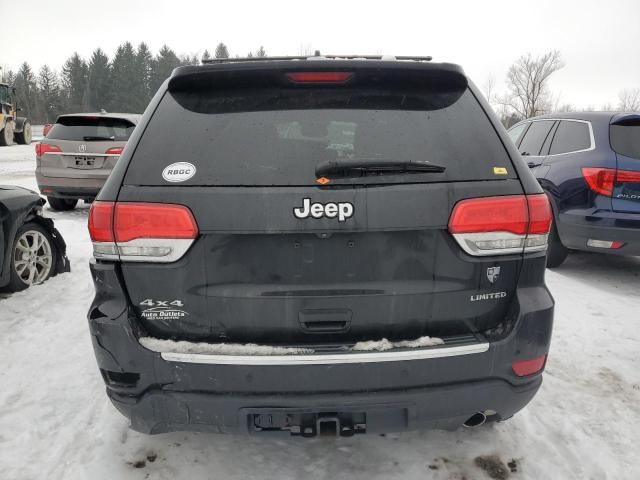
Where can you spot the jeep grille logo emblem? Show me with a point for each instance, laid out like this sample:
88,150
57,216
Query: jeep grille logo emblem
342,210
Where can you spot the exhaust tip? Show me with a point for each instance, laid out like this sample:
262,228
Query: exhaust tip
475,420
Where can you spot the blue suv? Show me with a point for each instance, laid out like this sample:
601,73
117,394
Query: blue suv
589,166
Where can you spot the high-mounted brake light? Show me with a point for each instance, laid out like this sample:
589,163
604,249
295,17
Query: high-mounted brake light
501,225
319,77
114,150
42,148
522,368
141,232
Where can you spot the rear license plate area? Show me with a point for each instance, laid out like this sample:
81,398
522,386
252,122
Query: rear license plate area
306,423
86,162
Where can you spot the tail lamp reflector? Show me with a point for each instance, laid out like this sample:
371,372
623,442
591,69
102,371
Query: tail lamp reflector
114,150
501,225
42,148
522,368
144,232
603,180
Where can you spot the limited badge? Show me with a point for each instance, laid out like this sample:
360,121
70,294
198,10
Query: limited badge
493,273
179,172
500,171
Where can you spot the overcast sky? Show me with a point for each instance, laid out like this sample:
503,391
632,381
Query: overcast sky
599,39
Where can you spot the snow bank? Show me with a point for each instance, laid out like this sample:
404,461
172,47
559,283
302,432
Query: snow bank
384,344
158,345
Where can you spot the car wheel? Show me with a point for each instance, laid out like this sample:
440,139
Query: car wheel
24,137
6,135
557,252
62,204
33,257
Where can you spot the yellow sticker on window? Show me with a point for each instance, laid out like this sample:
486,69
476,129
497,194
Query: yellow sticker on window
499,171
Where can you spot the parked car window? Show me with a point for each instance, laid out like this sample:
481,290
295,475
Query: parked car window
534,138
88,128
570,137
516,132
625,138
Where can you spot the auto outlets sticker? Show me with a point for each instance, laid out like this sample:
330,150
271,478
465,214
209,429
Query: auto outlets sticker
178,172
162,309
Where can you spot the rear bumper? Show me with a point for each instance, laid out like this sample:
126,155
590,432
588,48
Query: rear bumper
170,394
84,188
438,407
576,227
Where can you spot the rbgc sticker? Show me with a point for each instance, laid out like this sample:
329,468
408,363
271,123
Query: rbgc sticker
178,172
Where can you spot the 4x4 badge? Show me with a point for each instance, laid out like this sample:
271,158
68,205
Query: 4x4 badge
493,273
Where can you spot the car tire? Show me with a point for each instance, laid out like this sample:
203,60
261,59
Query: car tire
33,257
6,135
557,252
24,137
62,204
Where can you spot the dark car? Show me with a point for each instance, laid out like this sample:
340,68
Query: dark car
31,249
319,246
589,165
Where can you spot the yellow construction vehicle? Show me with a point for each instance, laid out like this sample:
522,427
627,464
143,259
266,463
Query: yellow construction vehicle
12,128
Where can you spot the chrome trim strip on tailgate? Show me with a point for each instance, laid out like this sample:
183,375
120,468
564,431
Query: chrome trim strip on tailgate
329,359
83,154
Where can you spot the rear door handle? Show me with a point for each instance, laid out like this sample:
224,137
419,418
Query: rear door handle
534,164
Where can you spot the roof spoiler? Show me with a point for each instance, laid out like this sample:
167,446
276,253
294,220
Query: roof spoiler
422,75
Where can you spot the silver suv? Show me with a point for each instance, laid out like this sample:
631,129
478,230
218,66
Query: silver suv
75,158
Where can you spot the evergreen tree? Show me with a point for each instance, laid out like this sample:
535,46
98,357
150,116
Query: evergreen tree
99,80
261,52
26,92
75,75
144,65
7,76
125,81
189,60
206,55
48,95
164,63
222,51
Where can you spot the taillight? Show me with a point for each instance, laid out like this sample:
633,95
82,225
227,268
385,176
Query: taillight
141,232
319,77
501,225
628,176
603,180
522,368
42,148
114,150
600,180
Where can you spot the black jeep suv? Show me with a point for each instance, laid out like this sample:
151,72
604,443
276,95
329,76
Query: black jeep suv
322,245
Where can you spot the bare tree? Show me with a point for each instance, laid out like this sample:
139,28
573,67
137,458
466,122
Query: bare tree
629,99
489,89
527,83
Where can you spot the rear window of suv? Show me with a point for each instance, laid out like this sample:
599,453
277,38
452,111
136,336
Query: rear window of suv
84,129
277,137
625,138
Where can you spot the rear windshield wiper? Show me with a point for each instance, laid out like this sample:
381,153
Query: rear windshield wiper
91,138
376,166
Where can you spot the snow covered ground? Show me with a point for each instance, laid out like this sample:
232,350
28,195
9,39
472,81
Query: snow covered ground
56,422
